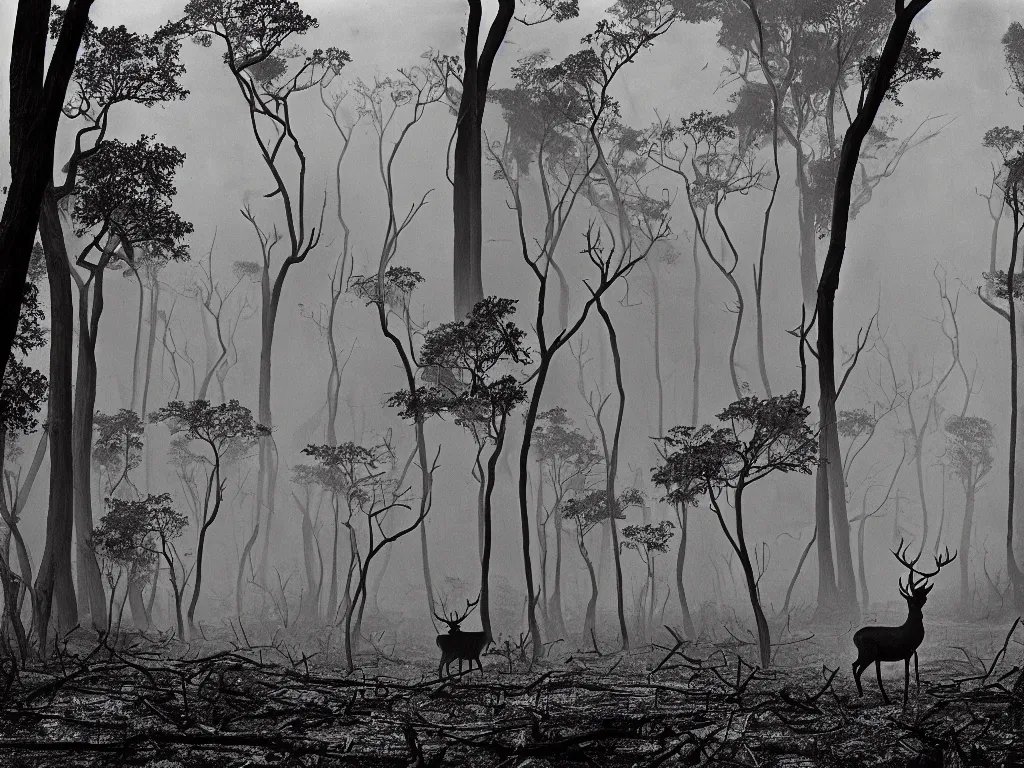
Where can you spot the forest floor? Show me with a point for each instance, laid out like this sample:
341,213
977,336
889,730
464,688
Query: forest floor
156,702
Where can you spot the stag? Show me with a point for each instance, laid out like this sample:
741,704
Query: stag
456,644
878,644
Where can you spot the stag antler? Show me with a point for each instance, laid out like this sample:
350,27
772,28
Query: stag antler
916,579
455,619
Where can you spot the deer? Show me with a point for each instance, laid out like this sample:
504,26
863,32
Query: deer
456,644
878,644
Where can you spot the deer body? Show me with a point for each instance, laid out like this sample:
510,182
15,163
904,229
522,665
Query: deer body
878,644
463,646
456,644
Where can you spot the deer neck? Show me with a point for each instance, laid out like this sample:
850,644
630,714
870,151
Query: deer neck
915,619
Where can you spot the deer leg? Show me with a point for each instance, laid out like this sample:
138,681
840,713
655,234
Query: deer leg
906,680
917,675
878,674
857,670
440,666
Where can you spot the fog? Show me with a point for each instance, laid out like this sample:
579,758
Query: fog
924,227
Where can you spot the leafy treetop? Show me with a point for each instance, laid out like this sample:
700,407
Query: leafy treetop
970,442
118,440
126,190
218,426
760,436
648,538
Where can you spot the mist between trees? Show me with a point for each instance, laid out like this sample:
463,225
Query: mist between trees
331,341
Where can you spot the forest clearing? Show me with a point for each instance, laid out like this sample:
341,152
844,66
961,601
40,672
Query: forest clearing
146,701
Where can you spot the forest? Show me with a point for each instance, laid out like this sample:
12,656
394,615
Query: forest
512,383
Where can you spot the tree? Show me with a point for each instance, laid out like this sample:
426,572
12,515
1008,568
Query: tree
118,447
758,439
900,62
389,289
969,445
566,459
120,543
467,176
268,76
368,489
473,352
797,63
35,109
1008,286
218,329
715,163
21,397
648,540
330,479
123,202
586,512
218,429
582,83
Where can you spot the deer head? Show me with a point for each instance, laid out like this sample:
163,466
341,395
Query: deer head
917,587
454,619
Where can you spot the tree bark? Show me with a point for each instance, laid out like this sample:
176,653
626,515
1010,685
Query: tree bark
213,487
35,111
467,174
965,544
684,607
485,562
764,640
695,397
613,466
1012,568
54,586
555,615
91,598
332,592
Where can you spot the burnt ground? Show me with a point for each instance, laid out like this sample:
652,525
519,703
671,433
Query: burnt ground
156,702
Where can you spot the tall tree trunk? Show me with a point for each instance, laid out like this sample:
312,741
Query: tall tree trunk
213,488
1012,568
91,598
309,610
485,562
36,100
266,476
54,587
467,175
542,545
764,640
613,466
861,570
684,607
137,357
876,90
830,454
154,308
695,401
332,592
965,544
524,510
808,234
555,614
240,576
137,602
590,617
